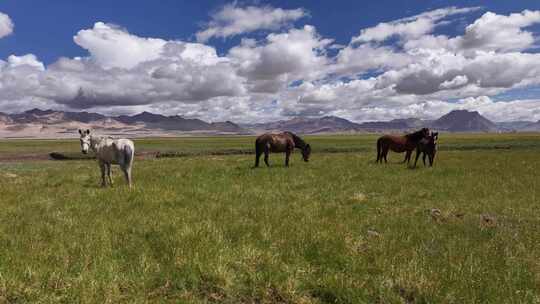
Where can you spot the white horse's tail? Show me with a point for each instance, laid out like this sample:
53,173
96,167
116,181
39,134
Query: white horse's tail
128,154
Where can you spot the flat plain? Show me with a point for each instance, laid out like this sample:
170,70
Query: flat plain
204,227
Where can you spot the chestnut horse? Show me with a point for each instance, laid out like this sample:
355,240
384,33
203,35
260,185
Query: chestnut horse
399,143
282,142
427,146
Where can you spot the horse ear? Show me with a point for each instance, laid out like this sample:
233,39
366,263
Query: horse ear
80,132
87,131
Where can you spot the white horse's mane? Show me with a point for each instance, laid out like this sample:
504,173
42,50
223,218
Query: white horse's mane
97,139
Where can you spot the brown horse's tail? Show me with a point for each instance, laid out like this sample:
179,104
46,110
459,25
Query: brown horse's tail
379,147
258,147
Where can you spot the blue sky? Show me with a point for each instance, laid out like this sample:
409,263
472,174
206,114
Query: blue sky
335,77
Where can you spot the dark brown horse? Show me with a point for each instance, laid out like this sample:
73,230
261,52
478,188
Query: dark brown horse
428,147
399,143
282,142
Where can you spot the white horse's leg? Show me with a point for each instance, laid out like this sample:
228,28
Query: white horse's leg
102,166
109,173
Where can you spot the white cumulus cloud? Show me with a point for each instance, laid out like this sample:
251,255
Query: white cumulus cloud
6,25
493,32
111,46
29,60
411,27
234,20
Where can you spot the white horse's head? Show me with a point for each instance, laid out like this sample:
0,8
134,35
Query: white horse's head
85,140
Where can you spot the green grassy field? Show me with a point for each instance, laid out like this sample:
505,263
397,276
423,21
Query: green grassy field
339,229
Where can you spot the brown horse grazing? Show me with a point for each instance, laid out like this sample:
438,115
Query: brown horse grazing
282,142
427,146
399,143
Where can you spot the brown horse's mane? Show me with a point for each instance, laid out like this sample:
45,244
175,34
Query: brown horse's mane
298,142
416,136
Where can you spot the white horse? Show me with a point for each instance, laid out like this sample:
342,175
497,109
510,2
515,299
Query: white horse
109,151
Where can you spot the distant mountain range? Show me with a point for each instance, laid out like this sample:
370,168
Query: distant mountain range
455,121
464,121
327,124
49,123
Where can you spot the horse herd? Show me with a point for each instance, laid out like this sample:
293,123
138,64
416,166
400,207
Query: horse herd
121,151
